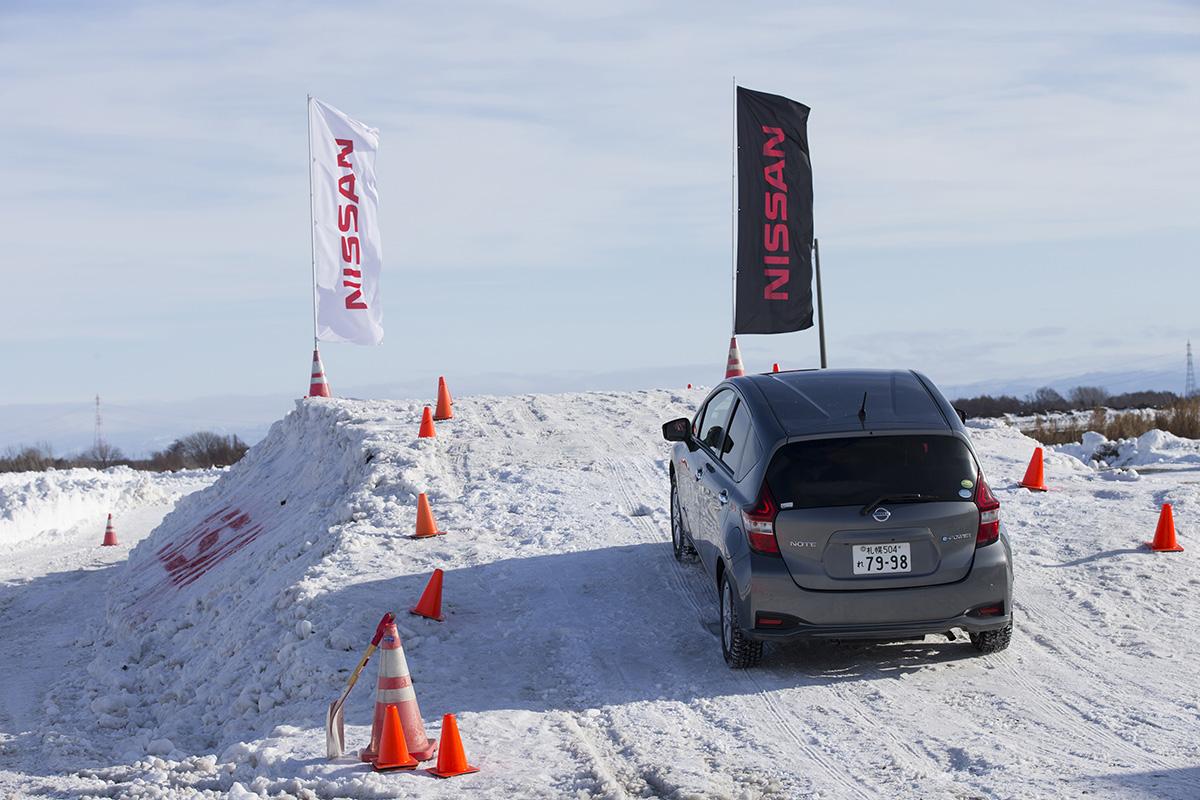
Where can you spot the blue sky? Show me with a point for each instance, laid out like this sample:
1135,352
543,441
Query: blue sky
1002,191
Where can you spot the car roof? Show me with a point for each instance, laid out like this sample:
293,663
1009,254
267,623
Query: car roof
829,400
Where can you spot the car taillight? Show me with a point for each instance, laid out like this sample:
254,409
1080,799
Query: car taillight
989,513
759,523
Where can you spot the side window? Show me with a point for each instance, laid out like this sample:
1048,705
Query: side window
716,415
736,438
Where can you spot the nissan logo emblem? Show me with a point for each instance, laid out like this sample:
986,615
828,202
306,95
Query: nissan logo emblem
882,515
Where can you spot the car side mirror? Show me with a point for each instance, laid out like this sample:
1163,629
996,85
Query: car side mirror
678,430
961,415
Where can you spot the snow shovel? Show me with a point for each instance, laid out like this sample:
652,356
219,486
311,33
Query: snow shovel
335,721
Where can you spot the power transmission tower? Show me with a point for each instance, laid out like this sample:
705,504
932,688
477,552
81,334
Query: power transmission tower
1189,386
99,438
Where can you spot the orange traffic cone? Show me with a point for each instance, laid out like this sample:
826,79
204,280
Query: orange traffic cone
452,760
393,750
1164,534
430,604
110,534
426,431
733,367
1033,475
317,385
395,689
426,526
775,367
444,410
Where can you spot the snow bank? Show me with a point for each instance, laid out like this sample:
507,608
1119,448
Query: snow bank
1154,447
243,612
43,504
208,635
1006,452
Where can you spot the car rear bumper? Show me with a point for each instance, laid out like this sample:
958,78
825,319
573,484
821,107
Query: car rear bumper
967,604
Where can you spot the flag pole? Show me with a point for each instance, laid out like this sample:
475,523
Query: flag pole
820,304
312,223
733,210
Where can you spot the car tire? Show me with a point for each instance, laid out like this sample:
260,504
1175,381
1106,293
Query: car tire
681,545
739,651
992,641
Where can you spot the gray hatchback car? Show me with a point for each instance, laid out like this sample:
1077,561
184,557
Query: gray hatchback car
839,504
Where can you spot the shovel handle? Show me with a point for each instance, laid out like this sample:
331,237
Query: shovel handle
354,675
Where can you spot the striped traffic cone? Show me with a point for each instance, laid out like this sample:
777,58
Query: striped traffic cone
733,367
110,534
395,687
318,386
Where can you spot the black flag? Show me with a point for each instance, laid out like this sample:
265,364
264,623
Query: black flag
775,220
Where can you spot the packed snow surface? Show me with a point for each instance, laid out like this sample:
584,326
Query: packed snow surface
580,659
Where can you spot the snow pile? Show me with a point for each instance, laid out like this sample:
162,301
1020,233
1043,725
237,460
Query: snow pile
208,631
1152,448
1007,451
43,505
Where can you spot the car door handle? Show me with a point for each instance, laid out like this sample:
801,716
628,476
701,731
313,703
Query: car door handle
711,468
723,497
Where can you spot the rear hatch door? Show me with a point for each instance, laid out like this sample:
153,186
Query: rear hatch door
875,511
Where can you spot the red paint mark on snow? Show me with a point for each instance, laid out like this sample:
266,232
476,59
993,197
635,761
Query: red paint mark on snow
217,537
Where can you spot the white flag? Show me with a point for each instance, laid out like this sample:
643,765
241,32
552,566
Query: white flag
347,251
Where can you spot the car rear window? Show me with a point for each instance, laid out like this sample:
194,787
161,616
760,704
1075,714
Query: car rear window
855,471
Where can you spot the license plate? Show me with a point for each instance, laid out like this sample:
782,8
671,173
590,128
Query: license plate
879,559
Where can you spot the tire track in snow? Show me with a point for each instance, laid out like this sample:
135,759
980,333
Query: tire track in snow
652,532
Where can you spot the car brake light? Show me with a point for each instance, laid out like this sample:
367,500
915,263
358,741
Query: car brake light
759,523
989,513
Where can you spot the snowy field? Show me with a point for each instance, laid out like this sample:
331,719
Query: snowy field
581,660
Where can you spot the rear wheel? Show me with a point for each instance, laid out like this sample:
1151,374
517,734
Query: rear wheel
680,543
992,641
740,652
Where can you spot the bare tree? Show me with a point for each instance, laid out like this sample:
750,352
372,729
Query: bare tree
1088,396
1047,399
200,451
103,454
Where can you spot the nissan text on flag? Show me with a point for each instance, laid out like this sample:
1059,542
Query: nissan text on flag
775,215
347,251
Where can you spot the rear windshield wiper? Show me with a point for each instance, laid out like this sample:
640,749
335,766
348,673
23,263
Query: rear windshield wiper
896,498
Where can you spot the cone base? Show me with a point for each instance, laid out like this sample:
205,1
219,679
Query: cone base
395,767
437,418
424,754
417,613
1176,549
1033,488
108,544
426,535
452,773
427,752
